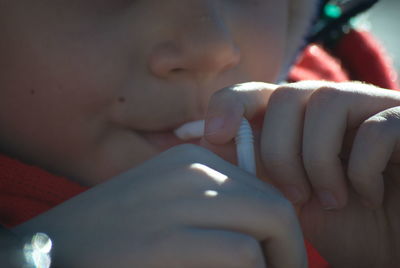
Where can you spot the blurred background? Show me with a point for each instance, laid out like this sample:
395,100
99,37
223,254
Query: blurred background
384,21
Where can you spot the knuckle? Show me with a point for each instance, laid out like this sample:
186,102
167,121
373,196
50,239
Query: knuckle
327,92
195,175
277,210
324,96
390,126
247,252
209,173
285,219
382,124
316,170
284,93
180,177
362,183
373,127
158,246
356,175
284,211
298,90
314,161
281,217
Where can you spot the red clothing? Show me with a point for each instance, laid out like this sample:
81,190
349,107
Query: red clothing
358,56
26,191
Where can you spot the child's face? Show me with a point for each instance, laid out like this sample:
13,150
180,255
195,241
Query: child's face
84,82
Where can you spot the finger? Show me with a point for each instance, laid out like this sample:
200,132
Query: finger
187,167
331,111
281,141
225,175
324,128
196,247
375,142
229,105
267,218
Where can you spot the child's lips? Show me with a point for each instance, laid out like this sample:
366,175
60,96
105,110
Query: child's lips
181,133
163,140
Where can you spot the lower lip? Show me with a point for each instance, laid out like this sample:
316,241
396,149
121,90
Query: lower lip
165,139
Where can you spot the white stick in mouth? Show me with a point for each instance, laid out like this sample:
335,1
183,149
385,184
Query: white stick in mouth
190,131
243,139
245,147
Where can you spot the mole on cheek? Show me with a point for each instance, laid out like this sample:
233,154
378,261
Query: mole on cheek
32,92
121,99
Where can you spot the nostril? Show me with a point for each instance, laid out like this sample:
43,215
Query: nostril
177,70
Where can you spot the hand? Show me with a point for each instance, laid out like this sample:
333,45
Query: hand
329,144
184,208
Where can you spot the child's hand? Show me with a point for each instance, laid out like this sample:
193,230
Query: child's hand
184,208
331,139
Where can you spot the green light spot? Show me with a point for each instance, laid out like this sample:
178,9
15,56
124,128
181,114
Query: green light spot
333,11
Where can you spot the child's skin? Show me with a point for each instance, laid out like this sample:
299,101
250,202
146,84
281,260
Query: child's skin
91,70
87,87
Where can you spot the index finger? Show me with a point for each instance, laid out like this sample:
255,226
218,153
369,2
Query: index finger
228,106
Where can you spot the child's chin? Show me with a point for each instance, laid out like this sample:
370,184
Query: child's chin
164,140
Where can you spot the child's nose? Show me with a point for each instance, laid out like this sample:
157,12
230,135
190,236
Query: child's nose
202,48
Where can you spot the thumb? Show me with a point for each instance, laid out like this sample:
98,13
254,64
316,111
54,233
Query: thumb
227,107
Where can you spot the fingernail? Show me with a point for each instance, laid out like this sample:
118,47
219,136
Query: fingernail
214,125
328,200
293,194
